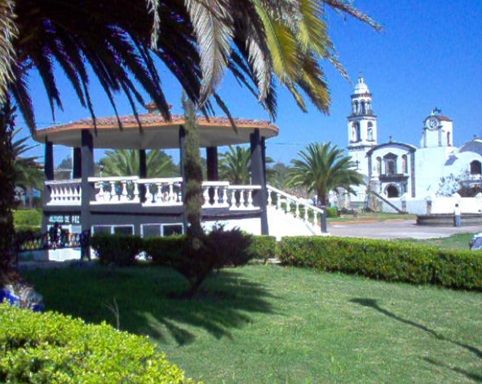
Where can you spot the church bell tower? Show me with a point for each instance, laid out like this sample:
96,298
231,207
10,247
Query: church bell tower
362,126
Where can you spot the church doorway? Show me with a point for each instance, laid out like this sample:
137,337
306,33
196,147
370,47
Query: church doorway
392,191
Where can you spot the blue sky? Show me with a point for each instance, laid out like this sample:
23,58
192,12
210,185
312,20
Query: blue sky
428,54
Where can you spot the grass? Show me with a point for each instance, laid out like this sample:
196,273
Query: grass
371,216
458,241
269,324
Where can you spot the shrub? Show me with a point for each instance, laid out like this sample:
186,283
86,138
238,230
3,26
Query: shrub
52,348
120,250
385,260
162,250
27,219
263,247
217,249
331,212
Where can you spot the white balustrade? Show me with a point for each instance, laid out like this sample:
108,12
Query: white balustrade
162,191
290,204
115,190
155,192
215,194
64,192
241,196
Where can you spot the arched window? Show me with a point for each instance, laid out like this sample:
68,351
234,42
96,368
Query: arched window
370,131
390,164
475,168
448,139
392,191
355,107
379,165
356,132
363,110
404,164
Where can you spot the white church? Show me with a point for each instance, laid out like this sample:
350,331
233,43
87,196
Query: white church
405,177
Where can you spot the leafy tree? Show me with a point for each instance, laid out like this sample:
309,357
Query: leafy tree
28,172
7,197
125,162
278,175
63,171
323,168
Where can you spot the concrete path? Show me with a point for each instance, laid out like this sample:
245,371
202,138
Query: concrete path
395,229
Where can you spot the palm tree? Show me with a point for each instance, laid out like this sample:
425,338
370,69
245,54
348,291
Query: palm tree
323,168
195,39
234,165
28,172
125,162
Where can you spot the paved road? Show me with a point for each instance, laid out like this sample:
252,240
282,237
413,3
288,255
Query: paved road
395,229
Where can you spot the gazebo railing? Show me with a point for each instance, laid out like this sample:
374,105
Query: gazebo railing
295,206
63,192
115,190
162,191
150,192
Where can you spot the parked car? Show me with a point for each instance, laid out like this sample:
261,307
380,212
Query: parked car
476,242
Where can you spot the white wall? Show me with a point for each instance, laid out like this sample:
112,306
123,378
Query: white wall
439,205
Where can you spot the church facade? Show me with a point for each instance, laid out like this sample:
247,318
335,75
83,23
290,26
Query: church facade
398,172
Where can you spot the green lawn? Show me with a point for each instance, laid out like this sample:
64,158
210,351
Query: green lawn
270,324
459,241
371,216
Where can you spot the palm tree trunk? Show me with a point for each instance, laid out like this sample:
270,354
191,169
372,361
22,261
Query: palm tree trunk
193,198
7,197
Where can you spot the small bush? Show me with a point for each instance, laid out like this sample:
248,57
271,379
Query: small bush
332,212
385,260
263,248
52,348
217,249
27,220
163,250
120,250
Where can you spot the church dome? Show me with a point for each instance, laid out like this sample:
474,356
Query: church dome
361,88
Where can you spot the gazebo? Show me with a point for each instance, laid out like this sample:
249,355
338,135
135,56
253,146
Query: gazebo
151,206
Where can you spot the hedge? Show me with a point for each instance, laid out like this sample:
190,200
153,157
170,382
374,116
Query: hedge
120,250
263,248
163,250
385,260
52,348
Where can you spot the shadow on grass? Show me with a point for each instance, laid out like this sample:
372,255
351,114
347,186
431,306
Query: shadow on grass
371,303
473,376
145,304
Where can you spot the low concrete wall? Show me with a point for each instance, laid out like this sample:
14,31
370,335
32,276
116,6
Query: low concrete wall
446,220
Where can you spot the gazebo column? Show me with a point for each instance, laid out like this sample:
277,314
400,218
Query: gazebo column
212,163
142,173
49,175
77,163
87,170
182,154
258,178
49,160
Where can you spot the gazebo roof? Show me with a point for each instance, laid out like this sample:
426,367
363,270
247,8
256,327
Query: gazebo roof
156,132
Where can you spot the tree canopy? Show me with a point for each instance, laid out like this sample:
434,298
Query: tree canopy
125,162
322,168
259,41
